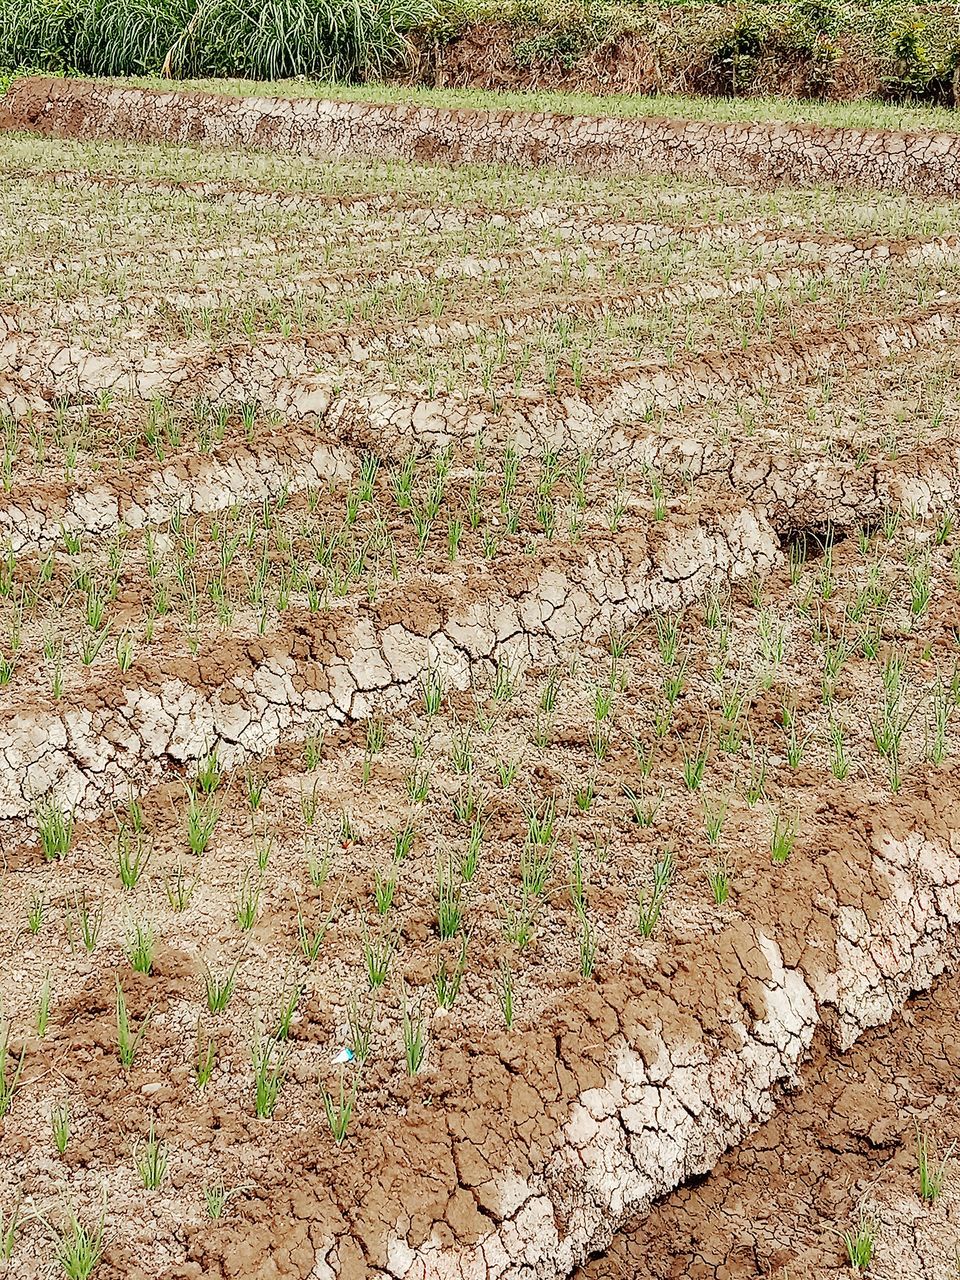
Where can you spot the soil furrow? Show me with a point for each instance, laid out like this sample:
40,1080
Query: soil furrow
331,666
924,163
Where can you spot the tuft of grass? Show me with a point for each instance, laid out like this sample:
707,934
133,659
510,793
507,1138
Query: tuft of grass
150,1160
79,1248
128,1040
55,828
11,1069
269,1069
861,1243
931,1173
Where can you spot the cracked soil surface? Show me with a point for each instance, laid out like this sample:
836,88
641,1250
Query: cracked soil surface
478,720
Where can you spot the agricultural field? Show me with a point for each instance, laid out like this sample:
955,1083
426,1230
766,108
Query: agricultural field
479,669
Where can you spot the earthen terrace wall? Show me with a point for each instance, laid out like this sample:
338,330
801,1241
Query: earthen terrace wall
918,163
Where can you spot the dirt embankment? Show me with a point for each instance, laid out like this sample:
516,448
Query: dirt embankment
708,49
760,153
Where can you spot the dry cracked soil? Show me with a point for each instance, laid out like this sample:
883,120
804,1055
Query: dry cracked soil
478,722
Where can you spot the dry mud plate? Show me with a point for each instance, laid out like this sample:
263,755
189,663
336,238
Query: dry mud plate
478,721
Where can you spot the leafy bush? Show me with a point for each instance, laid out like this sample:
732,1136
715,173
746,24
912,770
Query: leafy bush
255,39
734,57
324,39
37,34
127,37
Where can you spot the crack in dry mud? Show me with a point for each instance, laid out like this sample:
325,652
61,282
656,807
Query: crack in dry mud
527,1140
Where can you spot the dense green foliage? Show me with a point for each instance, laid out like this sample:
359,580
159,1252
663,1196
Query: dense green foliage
892,49
261,39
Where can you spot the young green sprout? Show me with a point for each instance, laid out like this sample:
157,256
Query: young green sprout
205,1058
587,946
414,1036
202,817
133,855
446,983
79,1248
151,1160
650,899
42,1020
783,836
179,888
431,688
449,900
269,1070
931,1173
384,888
60,1126
287,1009
88,921
9,1222
718,878
11,1069
861,1243
209,774
339,1110
219,987
128,1041
216,1197
506,994
35,913
55,828
695,762
247,903
140,948
378,955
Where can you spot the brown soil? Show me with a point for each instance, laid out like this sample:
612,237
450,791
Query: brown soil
672,53
554,705
842,1143
761,152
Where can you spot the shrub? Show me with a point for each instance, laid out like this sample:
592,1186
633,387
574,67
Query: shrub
324,39
127,37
